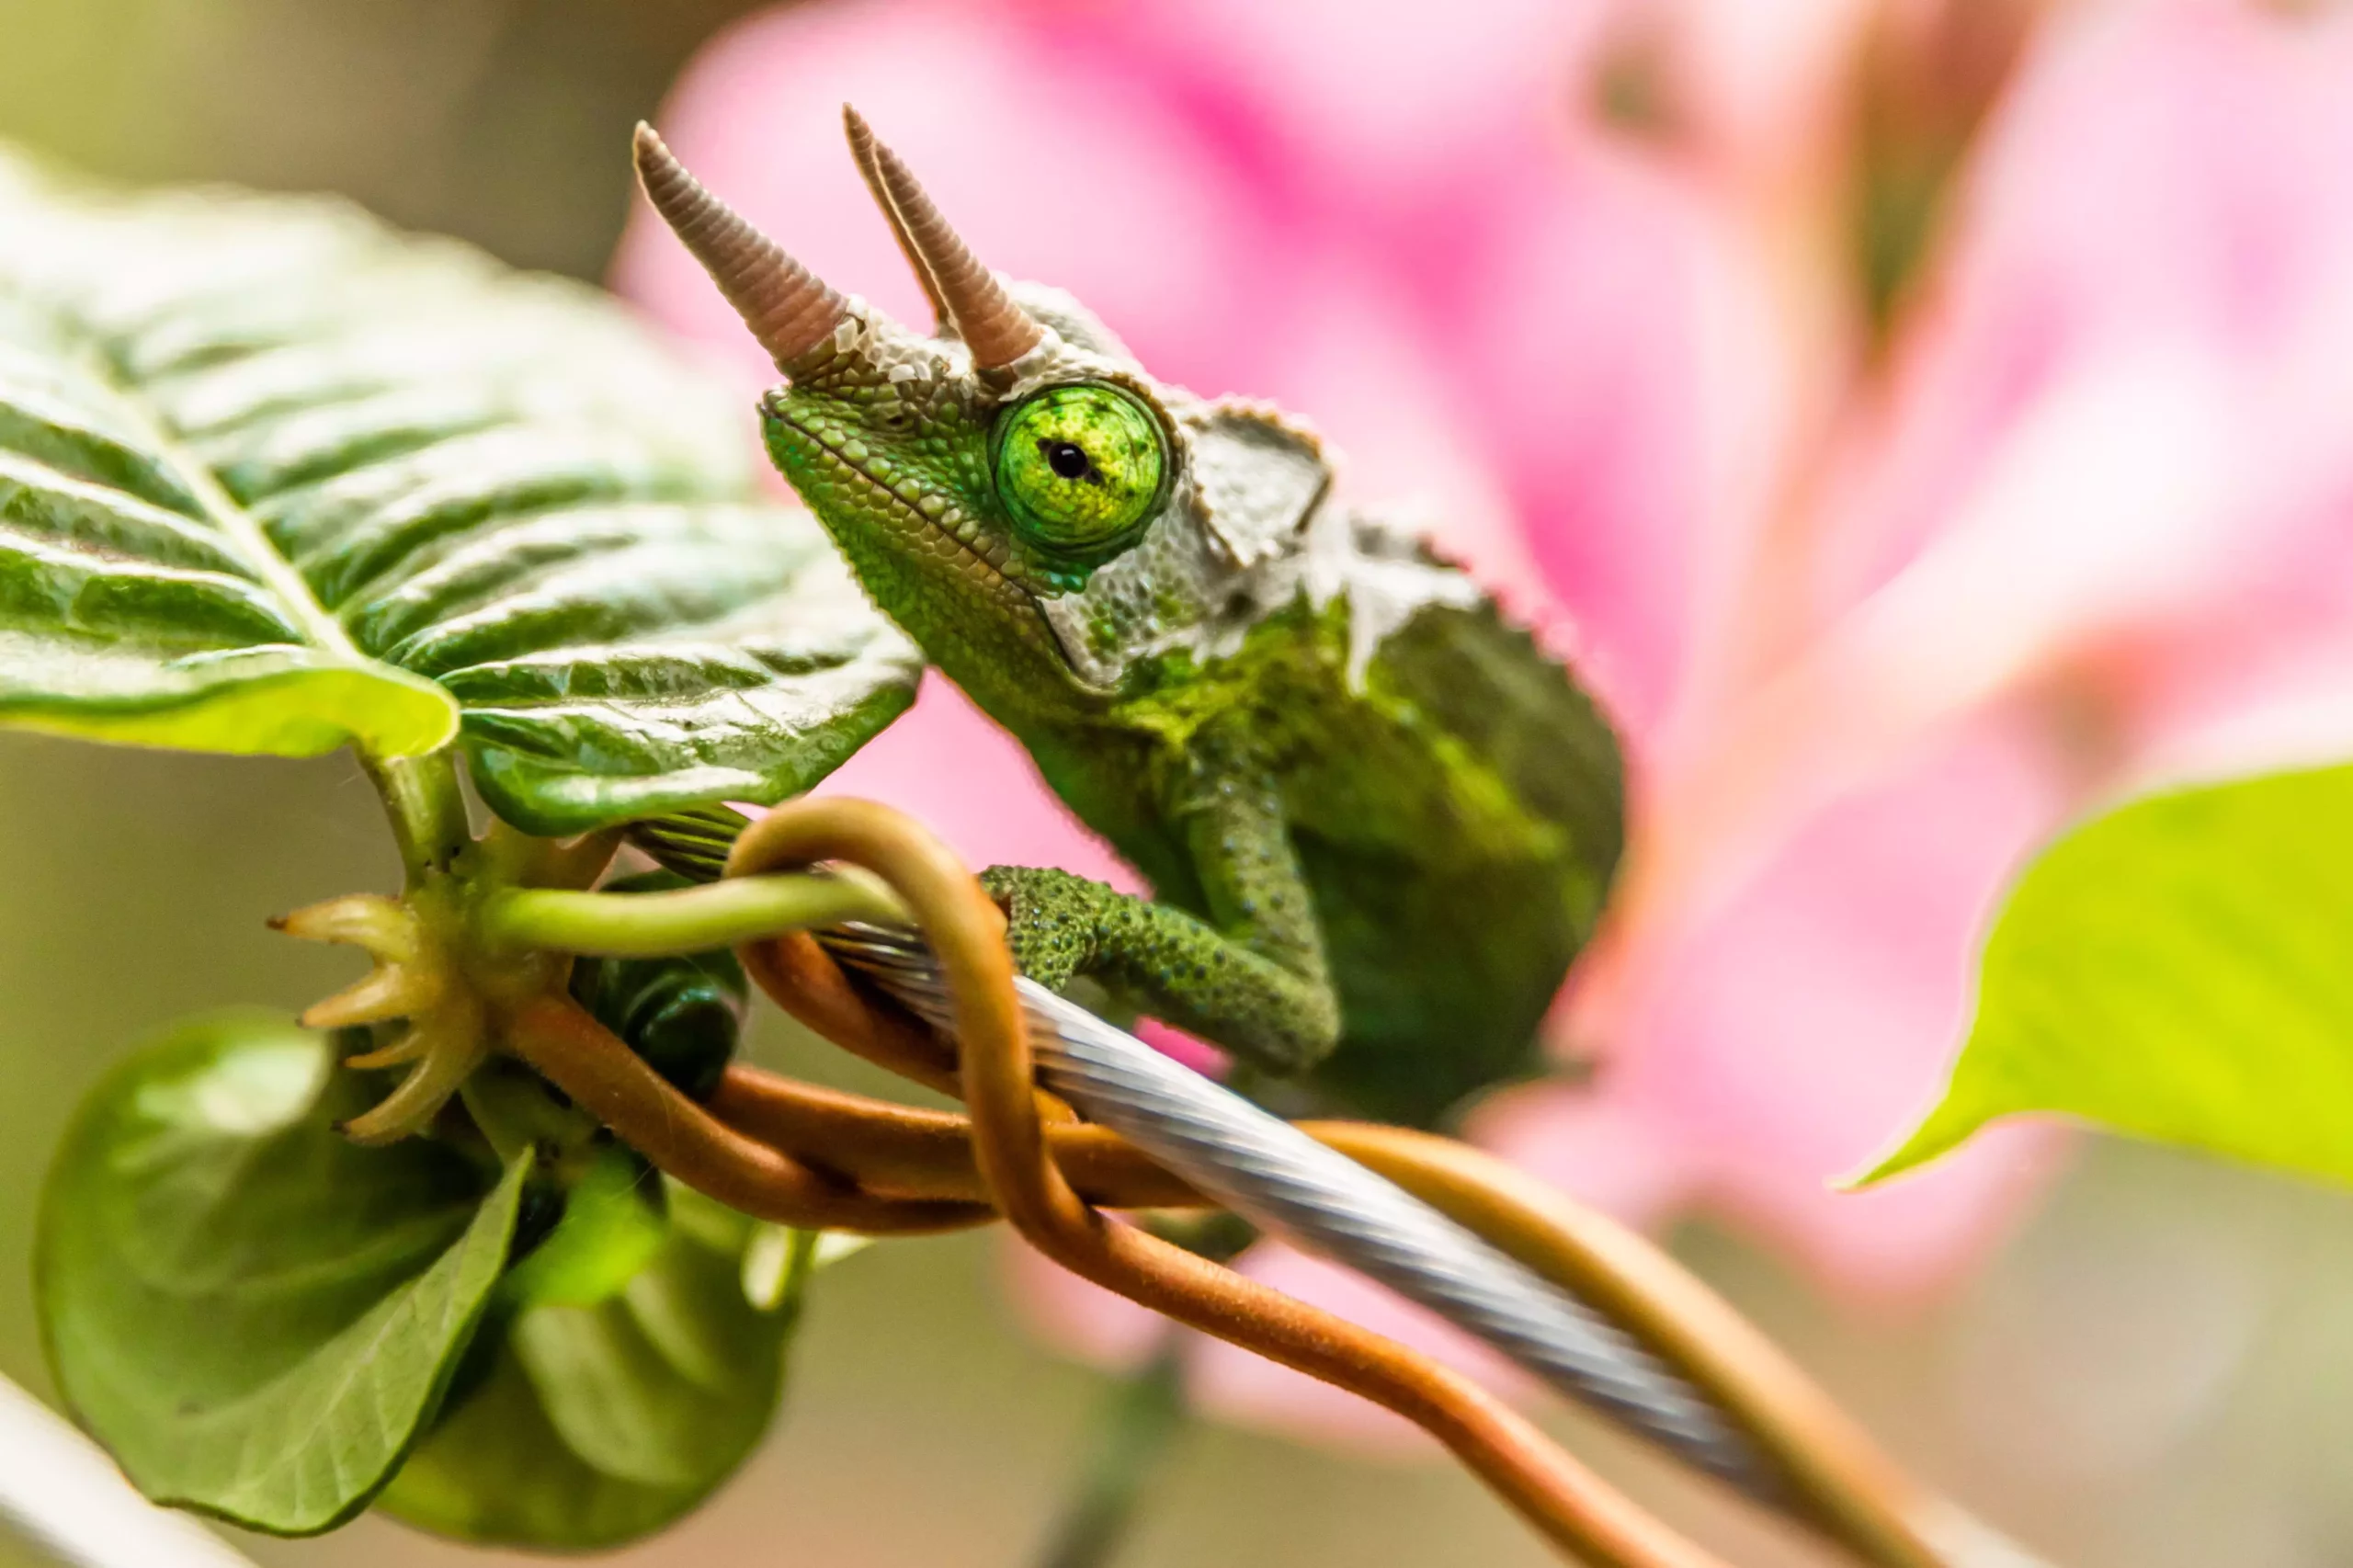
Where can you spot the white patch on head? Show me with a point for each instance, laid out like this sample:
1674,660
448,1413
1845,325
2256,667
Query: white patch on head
1264,478
900,356
1377,563
1258,475
850,331
1157,596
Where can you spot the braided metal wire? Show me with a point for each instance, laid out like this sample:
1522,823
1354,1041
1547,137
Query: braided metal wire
1288,1184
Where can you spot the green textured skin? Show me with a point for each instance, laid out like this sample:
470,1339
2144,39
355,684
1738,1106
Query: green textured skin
1373,815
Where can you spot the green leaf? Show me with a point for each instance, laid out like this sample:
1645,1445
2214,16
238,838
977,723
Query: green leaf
255,1316
274,477
595,1425
2176,969
614,1221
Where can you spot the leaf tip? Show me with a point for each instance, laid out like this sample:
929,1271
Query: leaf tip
1943,1130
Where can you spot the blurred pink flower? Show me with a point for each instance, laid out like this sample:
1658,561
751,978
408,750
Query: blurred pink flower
1872,625
2091,528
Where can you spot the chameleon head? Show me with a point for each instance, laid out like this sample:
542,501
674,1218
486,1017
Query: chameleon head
1013,490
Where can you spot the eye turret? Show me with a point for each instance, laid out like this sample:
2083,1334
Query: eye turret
1079,469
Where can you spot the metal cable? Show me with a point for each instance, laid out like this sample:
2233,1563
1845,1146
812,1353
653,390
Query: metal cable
1277,1176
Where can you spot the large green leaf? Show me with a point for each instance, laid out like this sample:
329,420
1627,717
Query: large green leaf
273,477
2180,969
598,1422
255,1316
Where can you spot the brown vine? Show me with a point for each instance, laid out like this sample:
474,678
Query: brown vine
819,1158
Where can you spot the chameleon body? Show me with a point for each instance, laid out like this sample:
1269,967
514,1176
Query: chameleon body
1379,823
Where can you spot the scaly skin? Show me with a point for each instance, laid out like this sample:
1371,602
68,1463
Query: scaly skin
1374,816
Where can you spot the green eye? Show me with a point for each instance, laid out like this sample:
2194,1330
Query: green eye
1079,467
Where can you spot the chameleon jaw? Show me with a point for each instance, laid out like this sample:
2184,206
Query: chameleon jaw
911,545
845,458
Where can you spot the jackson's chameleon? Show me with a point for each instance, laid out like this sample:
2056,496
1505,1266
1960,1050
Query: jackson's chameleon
1375,816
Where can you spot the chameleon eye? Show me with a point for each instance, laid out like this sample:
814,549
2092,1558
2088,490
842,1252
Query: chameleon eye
1079,467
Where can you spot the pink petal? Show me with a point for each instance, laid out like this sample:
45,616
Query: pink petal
1577,340
1382,104
2118,458
2165,178
1757,86
1606,1148
1773,1043
1198,1054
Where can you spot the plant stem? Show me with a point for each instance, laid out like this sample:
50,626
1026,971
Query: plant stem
1131,1436
689,920
425,807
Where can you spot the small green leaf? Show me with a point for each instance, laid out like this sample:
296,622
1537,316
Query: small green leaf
2178,969
614,1221
274,477
256,1316
596,1425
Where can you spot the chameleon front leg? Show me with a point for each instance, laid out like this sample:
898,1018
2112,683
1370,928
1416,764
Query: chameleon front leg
1251,978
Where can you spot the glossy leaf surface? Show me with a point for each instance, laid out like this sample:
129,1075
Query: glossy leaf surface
597,1423
274,477
254,1314
2176,969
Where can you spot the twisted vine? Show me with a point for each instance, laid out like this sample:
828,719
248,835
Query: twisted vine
816,1158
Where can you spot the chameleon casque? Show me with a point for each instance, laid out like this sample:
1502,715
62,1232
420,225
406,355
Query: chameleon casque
1380,822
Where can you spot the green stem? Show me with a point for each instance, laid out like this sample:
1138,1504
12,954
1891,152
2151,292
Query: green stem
689,920
511,1108
427,809
1130,1439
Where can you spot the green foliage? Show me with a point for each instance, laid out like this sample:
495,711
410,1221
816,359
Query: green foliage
2176,969
612,1220
596,1422
274,478
255,1316
264,1320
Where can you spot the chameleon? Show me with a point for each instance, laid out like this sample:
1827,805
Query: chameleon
1377,821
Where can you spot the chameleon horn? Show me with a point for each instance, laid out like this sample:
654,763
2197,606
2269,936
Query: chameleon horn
967,294
788,309
862,147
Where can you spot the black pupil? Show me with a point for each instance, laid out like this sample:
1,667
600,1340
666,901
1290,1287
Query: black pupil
1067,459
